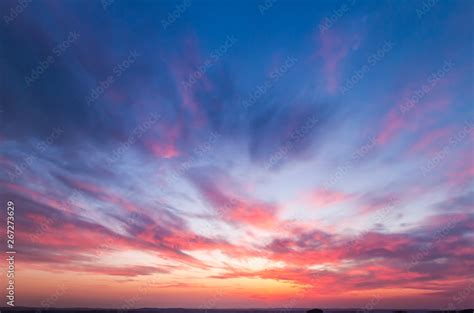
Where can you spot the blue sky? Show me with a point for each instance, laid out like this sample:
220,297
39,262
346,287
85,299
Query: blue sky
240,146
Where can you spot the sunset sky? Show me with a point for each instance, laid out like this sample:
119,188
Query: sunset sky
239,154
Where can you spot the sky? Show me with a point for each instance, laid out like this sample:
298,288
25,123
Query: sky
239,154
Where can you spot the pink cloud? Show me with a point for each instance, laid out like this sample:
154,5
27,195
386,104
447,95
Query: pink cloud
164,150
189,77
430,139
325,197
100,192
393,124
334,49
462,171
231,203
255,213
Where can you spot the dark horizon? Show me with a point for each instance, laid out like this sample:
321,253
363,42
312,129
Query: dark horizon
178,309
241,309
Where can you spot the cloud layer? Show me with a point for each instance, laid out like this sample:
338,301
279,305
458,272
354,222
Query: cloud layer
233,153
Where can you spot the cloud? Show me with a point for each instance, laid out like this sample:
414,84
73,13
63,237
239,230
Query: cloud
393,124
378,260
90,197
335,48
430,142
229,205
325,197
50,235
